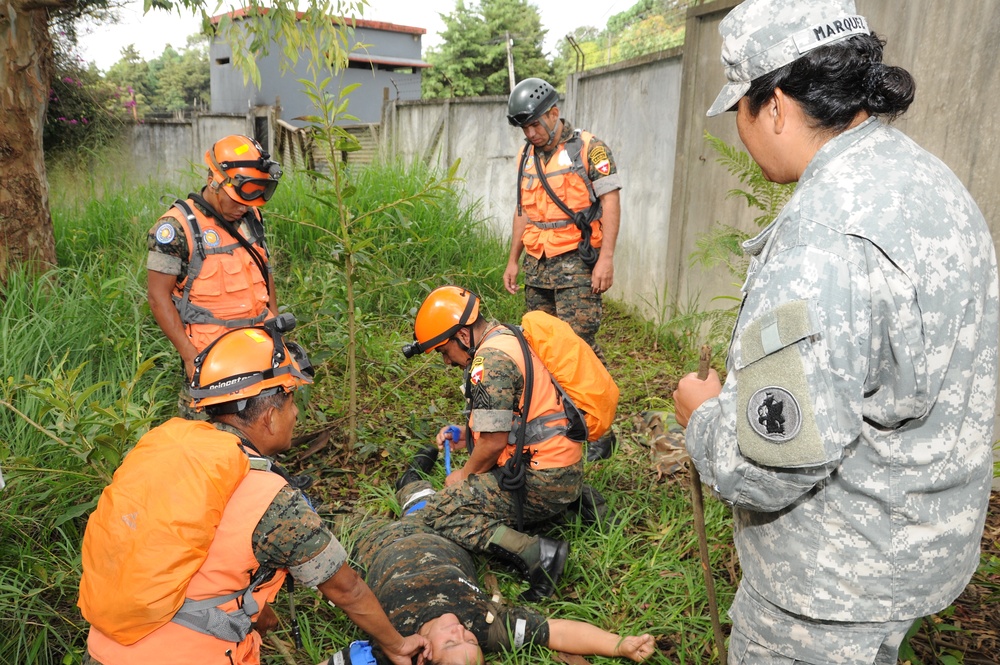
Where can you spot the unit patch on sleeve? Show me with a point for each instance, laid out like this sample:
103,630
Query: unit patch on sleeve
476,371
165,233
776,423
774,414
599,158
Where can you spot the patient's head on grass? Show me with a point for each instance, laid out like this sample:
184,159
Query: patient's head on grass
451,642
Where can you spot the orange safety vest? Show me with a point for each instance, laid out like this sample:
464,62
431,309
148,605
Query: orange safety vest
556,451
227,569
548,231
223,288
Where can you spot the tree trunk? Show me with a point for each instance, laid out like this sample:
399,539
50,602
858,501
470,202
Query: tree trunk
25,69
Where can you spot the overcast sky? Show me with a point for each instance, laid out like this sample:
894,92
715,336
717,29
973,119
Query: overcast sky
150,33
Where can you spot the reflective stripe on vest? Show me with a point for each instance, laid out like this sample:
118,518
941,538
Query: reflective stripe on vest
547,423
223,288
540,237
226,571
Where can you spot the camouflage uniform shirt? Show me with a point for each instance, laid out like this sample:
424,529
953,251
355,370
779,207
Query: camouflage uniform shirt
291,535
167,241
494,385
418,575
853,434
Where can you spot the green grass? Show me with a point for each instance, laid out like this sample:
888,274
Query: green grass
86,372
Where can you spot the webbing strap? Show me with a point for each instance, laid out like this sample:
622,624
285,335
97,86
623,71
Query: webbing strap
513,474
538,429
551,225
205,616
191,313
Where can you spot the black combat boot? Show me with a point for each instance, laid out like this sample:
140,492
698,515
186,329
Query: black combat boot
593,508
301,482
541,560
544,576
420,466
603,448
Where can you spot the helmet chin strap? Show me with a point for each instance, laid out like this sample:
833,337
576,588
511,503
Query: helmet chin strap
471,349
550,131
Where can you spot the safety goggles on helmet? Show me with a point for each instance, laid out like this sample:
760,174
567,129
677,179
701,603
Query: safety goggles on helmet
249,187
245,363
525,118
529,101
445,311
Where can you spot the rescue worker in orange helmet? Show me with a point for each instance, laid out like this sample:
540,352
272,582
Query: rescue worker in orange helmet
208,264
566,221
199,529
480,503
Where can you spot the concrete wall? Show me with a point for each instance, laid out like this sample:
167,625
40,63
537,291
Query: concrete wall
167,150
633,108
474,130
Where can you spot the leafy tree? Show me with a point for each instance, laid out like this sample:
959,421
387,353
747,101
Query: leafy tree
183,78
648,35
26,69
174,81
472,61
84,110
637,13
131,74
26,66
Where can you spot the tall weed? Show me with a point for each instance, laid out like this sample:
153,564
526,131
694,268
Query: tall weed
82,380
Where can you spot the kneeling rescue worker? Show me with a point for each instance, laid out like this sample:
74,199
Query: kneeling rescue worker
199,529
504,481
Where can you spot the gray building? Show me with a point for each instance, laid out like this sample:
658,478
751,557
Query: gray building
388,67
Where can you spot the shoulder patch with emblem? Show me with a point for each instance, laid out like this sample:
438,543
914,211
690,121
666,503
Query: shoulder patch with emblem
599,158
774,414
211,238
165,233
476,370
776,425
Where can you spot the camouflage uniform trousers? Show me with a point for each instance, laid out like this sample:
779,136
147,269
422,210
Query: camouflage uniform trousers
470,513
561,286
765,634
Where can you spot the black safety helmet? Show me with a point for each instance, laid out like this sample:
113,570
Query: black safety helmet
529,100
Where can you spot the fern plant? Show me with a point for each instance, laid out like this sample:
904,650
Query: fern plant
722,245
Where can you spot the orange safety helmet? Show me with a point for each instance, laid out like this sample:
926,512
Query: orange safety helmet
243,169
444,311
245,363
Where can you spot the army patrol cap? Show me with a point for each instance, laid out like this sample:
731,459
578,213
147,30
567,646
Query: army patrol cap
760,36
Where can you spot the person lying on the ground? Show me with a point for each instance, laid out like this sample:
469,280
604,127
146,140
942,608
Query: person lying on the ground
428,586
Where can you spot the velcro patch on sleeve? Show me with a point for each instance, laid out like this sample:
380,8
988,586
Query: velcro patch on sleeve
775,421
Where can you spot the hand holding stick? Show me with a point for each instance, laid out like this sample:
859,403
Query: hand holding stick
697,499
